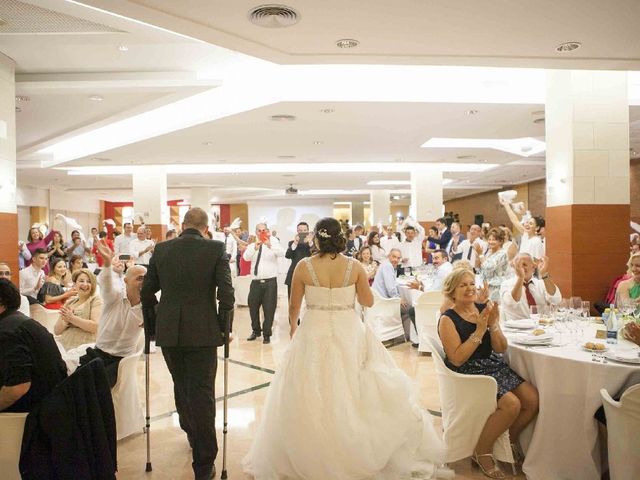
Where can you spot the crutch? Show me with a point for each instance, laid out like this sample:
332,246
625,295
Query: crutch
227,331
149,315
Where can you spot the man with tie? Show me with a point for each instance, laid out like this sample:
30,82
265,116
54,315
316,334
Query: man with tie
524,291
465,250
263,291
445,234
456,239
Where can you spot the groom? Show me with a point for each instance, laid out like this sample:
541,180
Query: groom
189,270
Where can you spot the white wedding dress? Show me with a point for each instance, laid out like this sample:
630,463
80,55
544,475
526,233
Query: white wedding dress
338,407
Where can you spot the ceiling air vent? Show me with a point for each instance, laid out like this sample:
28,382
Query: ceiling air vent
273,16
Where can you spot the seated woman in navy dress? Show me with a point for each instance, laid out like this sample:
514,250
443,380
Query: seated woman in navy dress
473,344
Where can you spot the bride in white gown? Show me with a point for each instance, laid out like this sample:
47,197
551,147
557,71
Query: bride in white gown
338,407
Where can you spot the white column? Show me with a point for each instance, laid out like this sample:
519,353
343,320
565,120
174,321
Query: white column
426,193
357,212
380,207
7,137
150,195
201,198
587,135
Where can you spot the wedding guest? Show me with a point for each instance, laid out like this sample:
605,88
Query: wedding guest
244,266
377,252
36,241
493,265
366,259
457,237
472,341
389,240
5,272
263,291
121,242
524,290
411,246
444,234
466,250
33,277
30,362
530,241
430,246
57,248
443,268
509,245
78,320
77,246
354,243
358,231
102,237
630,289
141,248
297,249
75,263
24,255
54,293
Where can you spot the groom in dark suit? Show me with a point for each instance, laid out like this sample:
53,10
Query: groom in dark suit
299,248
189,270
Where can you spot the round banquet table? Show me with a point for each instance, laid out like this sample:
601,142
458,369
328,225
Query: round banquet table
562,443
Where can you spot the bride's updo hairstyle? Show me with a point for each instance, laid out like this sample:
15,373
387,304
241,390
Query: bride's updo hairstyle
328,234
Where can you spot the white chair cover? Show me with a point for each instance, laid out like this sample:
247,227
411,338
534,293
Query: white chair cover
384,317
11,430
427,313
44,316
467,401
623,426
241,286
126,402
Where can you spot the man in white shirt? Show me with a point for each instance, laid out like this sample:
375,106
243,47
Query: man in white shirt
524,291
389,240
443,268
32,278
141,248
230,245
120,325
5,272
77,246
411,246
122,241
263,291
466,250
456,239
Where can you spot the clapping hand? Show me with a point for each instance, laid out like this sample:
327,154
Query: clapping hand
478,248
519,268
483,318
494,315
66,313
543,266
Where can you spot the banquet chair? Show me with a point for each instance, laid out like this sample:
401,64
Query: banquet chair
623,426
384,318
43,316
427,313
11,430
241,286
126,402
467,401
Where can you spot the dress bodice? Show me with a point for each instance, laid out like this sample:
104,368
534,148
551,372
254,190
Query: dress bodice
325,298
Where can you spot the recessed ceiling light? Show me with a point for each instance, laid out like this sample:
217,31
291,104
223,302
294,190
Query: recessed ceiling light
327,110
22,98
318,142
472,112
568,47
101,159
96,98
208,143
537,113
465,157
288,174
273,16
347,43
123,48
18,109
539,121
283,118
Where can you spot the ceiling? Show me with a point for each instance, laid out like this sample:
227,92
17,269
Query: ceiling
214,53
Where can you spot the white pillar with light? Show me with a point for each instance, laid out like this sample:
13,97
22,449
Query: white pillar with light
426,193
380,207
150,195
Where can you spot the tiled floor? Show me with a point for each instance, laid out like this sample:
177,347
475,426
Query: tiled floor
250,371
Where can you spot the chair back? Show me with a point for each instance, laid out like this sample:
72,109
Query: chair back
45,317
126,401
11,430
384,318
430,298
623,426
427,315
241,286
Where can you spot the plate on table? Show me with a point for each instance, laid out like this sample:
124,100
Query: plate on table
525,324
623,356
531,339
595,347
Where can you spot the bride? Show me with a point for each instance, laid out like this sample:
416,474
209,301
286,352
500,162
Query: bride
338,407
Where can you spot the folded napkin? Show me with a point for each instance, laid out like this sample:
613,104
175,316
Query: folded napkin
521,324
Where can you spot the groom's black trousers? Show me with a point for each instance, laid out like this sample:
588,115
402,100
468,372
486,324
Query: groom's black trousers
193,370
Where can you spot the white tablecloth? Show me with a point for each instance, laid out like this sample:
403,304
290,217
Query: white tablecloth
563,441
408,295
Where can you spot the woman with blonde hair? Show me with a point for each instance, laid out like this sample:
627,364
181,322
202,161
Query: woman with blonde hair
629,289
473,343
78,320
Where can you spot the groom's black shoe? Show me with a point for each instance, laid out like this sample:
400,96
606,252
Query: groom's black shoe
266,339
253,336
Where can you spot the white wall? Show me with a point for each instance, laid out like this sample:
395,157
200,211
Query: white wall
74,202
24,222
284,215
32,197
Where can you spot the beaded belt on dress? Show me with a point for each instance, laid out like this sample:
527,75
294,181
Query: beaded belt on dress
330,307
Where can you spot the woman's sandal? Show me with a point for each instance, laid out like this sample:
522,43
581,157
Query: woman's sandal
494,472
